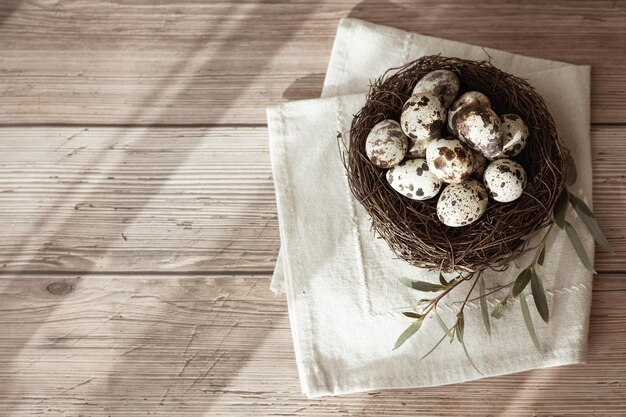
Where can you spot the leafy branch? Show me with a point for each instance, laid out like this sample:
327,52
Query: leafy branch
532,275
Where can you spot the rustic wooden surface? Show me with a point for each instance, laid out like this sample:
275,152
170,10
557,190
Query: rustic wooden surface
138,219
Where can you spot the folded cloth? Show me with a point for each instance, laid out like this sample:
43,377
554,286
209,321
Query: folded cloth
341,281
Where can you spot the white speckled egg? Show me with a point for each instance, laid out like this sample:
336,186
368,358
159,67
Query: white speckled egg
480,163
462,204
423,116
505,180
413,179
466,99
479,127
450,160
514,135
442,83
386,145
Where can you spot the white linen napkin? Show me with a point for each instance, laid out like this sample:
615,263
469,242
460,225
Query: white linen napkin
341,281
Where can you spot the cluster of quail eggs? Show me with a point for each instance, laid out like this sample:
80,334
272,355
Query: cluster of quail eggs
473,161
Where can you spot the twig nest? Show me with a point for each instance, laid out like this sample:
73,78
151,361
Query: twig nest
505,180
386,145
466,99
462,204
413,179
442,83
514,135
479,127
423,116
433,233
450,160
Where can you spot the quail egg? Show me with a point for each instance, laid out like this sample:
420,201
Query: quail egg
423,116
413,179
505,180
479,127
462,204
386,145
466,99
442,83
514,135
450,160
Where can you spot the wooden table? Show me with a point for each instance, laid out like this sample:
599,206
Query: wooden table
138,219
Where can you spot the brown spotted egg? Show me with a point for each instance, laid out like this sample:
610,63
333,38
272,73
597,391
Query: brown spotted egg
462,204
479,127
414,180
386,145
466,99
442,83
450,160
514,135
423,116
505,180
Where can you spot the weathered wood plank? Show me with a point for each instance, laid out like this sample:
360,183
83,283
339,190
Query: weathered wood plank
156,199
198,346
115,62
136,199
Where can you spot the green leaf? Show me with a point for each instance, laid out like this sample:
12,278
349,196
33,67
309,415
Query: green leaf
412,315
529,323
460,326
539,295
499,310
522,281
410,331
443,326
483,305
590,221
571,173
560,208
542,255
434,347
578,246
469,358
421,285
442,280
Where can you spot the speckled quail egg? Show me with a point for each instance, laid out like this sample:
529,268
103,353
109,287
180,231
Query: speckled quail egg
386,145
450,159
480,163
462,204
514,135
505,180
466,99
423,116
442,83
414,180
479,127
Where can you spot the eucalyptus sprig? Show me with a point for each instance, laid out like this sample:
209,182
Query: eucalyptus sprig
532,275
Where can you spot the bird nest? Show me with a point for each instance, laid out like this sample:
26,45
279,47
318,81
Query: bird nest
411,228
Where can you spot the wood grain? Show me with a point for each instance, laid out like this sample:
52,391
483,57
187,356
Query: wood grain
198,346
181,199
167,62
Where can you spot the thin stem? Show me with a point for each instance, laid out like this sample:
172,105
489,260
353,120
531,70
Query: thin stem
500,288
469,292
541,244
